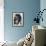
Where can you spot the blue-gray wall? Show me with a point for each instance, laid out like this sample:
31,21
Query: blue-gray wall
29,7
43,6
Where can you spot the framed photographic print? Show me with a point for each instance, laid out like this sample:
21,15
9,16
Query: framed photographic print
18,18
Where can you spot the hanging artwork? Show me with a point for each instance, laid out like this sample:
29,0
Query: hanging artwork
18,18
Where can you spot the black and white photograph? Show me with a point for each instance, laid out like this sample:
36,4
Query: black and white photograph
18,18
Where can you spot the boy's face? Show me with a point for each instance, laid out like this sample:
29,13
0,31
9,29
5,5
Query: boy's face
16,20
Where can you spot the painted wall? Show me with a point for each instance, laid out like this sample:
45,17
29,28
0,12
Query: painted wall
43,6
29,7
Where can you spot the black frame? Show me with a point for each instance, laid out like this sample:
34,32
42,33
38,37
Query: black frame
12,19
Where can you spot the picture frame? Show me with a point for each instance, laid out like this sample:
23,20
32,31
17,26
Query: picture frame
17,19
